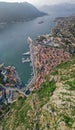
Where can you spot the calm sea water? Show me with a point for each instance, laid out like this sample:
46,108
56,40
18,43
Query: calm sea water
13,42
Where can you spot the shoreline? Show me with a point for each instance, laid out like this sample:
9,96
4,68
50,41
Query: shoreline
34,45
42,63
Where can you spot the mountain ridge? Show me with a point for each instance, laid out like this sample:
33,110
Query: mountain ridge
58,7
15,12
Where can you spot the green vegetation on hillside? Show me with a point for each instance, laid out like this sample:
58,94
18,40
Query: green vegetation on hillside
46,89
51,107
41,38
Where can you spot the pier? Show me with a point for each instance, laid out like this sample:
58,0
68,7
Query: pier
30,41
25,54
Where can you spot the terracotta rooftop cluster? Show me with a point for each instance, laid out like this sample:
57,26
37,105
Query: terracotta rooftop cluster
10,76
47,58
53,49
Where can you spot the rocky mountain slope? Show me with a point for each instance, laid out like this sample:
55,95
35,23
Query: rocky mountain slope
52,107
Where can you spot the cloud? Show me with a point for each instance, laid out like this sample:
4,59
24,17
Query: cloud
42,2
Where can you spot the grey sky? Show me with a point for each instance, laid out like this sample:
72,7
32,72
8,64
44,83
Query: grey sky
41,2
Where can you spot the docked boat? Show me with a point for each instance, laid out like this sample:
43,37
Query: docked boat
25,60
27,53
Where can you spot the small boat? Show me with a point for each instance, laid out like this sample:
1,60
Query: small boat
40,22
25,60
27,53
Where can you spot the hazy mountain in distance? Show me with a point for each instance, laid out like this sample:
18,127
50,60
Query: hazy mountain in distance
15,12
59,8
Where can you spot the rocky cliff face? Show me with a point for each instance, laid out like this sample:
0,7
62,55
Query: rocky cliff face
50,107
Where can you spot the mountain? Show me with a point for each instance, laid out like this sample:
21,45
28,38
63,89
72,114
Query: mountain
59,8
15,12
50,107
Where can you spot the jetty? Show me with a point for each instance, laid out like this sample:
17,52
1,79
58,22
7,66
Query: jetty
31,46
25,60
25,54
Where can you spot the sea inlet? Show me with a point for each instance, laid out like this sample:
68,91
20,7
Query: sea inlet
13,42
